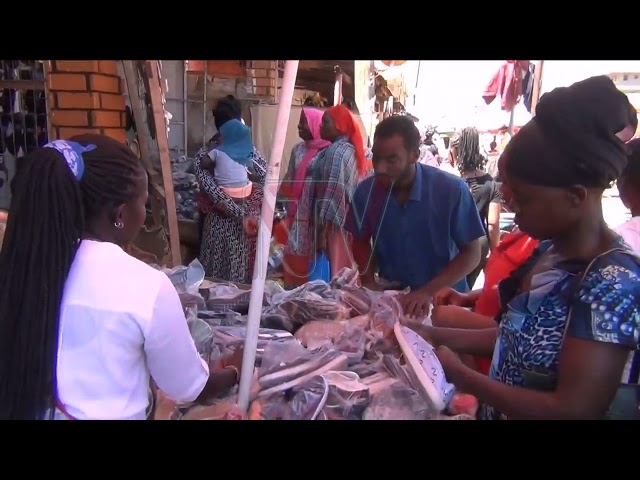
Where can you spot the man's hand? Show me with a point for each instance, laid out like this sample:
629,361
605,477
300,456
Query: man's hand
416,304
449,296
371,284
322,238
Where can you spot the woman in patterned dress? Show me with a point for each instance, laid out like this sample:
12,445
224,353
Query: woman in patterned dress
566,346
226,252
297,192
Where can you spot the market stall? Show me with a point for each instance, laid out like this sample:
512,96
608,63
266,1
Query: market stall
324,352
321,351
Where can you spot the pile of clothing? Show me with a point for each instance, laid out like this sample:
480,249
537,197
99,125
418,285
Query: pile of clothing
185,186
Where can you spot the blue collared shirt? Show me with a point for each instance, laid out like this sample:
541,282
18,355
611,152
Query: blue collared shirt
414,242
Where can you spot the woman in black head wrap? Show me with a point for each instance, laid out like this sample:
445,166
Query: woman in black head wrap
568,330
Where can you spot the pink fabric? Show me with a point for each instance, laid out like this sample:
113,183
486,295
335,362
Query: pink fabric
314,118
238,192
507,83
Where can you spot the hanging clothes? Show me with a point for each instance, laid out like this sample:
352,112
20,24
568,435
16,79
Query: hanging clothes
506,83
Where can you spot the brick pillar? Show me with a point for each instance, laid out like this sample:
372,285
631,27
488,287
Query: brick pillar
85,96
262,76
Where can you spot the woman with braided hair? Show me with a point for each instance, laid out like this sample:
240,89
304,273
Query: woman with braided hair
83,325
466,156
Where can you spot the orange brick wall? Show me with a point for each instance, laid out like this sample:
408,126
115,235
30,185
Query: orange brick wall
85,96
262,74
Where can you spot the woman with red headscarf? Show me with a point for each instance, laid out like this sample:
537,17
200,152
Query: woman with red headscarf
340,168
297,193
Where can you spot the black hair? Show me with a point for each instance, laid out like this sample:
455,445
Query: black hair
632,170
399,125
493,145
227,108
50,210
467,147
433,149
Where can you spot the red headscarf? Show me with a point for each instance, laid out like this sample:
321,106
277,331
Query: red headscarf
347,125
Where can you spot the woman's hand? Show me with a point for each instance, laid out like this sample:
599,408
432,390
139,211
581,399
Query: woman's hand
221,210
425,331
250,226
449,296
450,362
234,361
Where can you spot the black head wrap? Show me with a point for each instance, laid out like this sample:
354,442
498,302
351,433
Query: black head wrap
632,170
572,139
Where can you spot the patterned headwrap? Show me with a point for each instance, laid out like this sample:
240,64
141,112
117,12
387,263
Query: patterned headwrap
72,153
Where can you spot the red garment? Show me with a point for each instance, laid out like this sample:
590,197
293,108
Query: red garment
506,82
512,251
205,204
347,125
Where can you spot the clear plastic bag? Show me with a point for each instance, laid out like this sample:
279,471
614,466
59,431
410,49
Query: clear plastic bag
330,396
274,407
346,277
398,402
187,279
289,365
224,298
189,300
229,339
278,355
352,342
222,319
317,287
358,299
202,335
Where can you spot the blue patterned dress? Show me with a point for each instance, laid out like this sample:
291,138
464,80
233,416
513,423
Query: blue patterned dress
605,308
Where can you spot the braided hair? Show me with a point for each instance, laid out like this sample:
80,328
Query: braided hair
467,149
50,211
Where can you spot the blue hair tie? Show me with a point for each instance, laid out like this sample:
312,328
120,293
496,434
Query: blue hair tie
72,153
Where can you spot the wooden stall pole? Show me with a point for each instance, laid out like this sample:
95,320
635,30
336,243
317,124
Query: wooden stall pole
337,89
156,95
264,232
537,86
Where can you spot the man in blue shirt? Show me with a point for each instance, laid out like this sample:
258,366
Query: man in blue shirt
424,223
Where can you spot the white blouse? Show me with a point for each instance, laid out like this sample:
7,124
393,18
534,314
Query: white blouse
121,322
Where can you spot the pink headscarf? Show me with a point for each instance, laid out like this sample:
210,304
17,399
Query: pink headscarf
314,118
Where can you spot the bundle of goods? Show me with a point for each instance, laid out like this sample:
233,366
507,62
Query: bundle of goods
325,352
185,186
